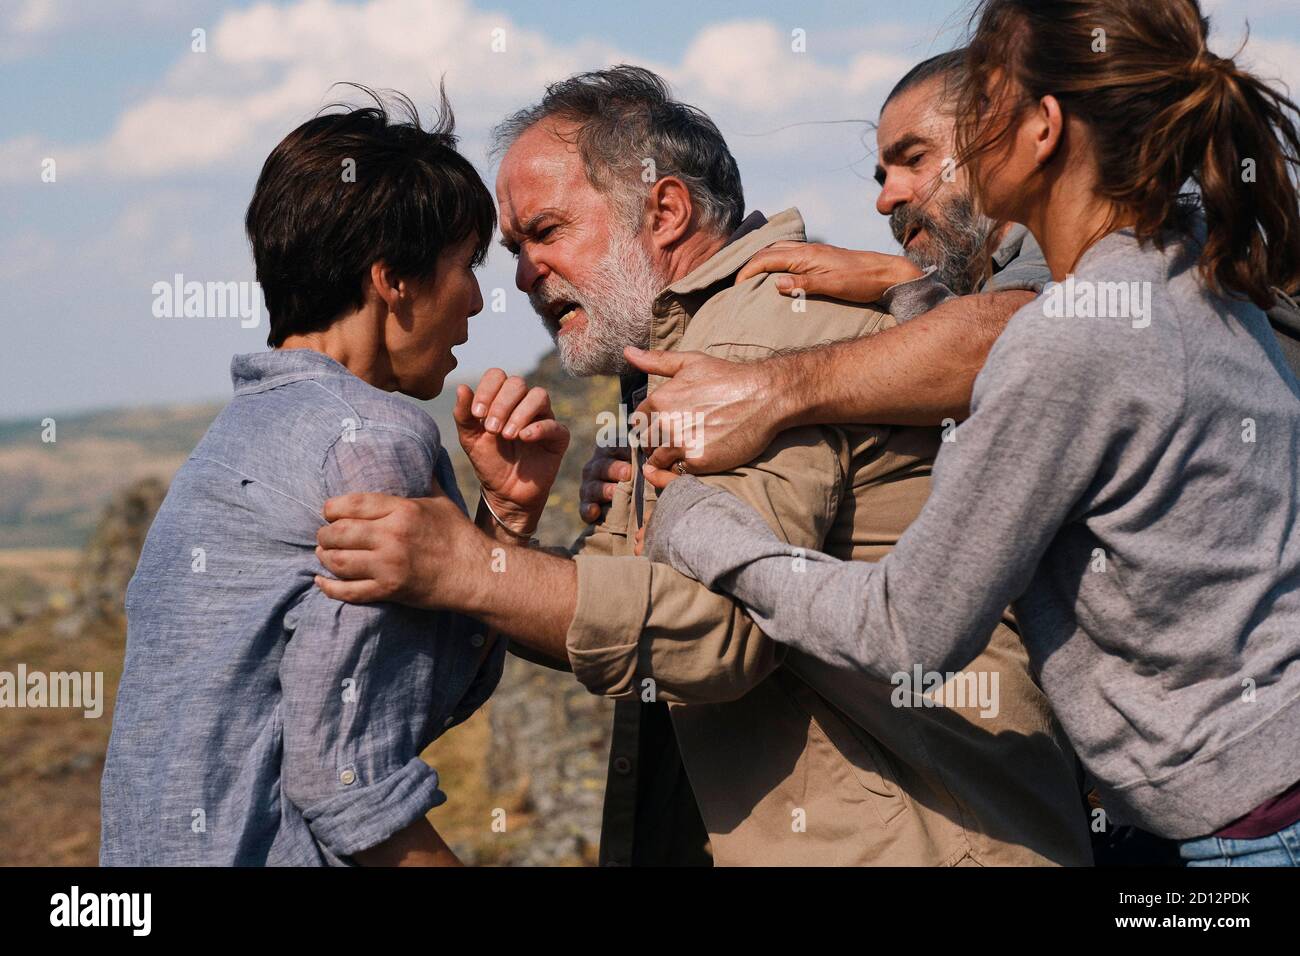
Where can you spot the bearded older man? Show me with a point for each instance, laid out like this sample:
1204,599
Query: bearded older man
625,210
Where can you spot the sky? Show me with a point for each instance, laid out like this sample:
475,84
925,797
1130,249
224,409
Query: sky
156,144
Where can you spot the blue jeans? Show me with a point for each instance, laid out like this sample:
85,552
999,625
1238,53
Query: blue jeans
1279,849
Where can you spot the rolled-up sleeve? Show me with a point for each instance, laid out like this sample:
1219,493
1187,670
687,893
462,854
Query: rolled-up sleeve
642,629
357,704
361,696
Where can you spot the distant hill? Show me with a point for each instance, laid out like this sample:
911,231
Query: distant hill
51,494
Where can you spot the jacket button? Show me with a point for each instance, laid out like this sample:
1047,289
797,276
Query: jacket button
477,640
622,765
347,778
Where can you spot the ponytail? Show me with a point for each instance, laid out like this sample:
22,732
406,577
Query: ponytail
1164,113
1242,140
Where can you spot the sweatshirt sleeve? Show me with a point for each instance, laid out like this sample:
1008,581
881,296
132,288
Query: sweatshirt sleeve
1042,428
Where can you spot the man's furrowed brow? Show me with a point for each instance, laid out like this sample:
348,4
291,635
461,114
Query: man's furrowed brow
892,153
512,236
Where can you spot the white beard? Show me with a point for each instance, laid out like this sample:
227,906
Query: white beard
616,304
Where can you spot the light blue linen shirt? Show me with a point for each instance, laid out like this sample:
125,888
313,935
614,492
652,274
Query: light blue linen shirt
257,720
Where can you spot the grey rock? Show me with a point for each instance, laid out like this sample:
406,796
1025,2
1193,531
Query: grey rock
550,741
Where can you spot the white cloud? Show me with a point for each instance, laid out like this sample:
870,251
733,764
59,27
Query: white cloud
28,26
32,16
267,68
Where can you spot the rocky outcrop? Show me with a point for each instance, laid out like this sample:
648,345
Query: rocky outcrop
550,744
111,555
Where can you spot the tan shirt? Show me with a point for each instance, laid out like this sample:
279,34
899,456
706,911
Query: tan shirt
791,761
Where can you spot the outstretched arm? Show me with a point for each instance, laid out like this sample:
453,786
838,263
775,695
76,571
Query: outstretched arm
919,373
625,625
1002,489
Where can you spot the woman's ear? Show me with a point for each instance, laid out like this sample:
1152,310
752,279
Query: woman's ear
1048,125
386,286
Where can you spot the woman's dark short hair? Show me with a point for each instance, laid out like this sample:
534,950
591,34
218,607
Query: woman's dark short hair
347,189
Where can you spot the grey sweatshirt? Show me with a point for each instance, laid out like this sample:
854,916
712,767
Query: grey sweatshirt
1130,481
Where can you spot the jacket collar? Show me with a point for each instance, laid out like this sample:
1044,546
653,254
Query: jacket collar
1010,246
673,307
755,234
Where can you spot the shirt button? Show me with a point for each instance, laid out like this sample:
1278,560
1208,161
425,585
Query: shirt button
477,640
451,719
348,777
622,765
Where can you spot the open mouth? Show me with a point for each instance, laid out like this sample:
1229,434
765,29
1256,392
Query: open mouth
912,232
562,313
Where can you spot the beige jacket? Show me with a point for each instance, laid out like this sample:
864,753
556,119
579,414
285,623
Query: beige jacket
792,761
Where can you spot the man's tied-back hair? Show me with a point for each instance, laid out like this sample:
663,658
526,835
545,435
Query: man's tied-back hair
951,66
347,189
626,115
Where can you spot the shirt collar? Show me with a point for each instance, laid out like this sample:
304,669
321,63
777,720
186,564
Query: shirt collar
258,371
1010,246
755,233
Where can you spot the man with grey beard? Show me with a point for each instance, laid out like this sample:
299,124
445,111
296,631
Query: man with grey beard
619,292
946,246
625,211
928,199
932,215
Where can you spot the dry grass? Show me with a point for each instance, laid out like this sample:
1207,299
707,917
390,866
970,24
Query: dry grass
51,759
465,821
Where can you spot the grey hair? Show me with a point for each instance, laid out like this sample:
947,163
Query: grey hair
626,117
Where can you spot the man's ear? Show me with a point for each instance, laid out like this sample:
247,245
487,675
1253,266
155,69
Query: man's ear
1048,125
670,208
386,285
